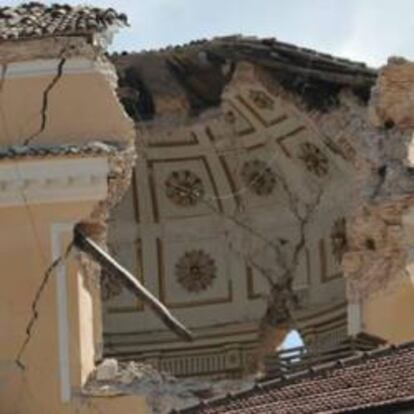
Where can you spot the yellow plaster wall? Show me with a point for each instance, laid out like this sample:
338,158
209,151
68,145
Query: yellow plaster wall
25,253
81,107
390,313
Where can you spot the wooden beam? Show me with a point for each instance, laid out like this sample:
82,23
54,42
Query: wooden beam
108,263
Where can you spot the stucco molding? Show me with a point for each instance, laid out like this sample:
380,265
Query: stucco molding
47,67
52,181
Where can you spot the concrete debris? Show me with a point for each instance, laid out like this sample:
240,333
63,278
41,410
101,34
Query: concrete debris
107,370
163,391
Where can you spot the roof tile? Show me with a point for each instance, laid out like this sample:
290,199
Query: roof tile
373,380
32,20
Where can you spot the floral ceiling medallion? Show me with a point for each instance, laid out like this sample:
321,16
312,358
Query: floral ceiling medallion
261,99
195,271
339,241
259,177
314,159
184,188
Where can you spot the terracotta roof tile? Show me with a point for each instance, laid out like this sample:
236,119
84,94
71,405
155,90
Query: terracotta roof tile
198,72
267,52
374,379
31,20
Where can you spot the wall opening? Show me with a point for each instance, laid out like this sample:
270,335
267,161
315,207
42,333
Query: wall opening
292,340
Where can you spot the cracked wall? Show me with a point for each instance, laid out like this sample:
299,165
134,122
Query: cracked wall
54,339
35,386
57,109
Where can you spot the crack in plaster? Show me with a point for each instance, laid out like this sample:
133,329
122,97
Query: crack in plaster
282,299
34,306
45,101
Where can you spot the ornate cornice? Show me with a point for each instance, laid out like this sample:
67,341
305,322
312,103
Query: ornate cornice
52,181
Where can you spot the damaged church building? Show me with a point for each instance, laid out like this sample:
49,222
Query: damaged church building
168,217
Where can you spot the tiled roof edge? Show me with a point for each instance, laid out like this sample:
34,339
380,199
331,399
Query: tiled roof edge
370,408
250,40
36,20
282,382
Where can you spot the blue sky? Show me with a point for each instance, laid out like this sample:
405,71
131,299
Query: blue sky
368,30
292,340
